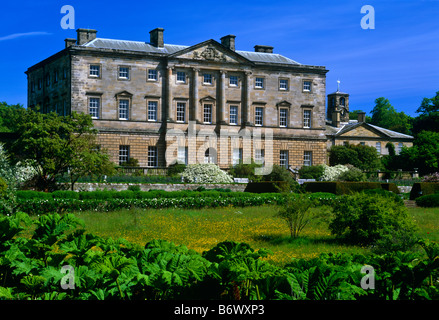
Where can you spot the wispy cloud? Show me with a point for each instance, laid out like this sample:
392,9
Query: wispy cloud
25,34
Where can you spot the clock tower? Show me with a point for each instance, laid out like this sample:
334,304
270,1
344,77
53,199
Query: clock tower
338,103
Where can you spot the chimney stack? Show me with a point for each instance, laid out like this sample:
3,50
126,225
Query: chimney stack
156,37
361,116
266,49
70,42
229,41
336,118
85,35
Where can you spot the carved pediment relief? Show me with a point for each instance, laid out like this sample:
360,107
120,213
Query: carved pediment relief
209,53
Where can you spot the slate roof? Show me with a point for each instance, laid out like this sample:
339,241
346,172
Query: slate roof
168,49
330,130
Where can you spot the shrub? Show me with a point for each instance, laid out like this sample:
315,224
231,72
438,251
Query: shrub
281,174
346,187
176,169
352,174
205,173
423,189
332,173
371,220
431,200
246,170
134,188
298,211
311,172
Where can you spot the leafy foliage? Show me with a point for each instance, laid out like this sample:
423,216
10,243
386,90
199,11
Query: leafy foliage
372,220
114,269
360,156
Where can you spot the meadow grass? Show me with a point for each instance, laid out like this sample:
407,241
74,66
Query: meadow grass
258,226
203,229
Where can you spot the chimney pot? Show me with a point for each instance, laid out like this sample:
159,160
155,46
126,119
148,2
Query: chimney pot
156,37
85,35
229,41
70,42
266,49
361,116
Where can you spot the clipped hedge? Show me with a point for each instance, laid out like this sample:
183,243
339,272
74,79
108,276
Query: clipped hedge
423,189
344,187
431,200
266,186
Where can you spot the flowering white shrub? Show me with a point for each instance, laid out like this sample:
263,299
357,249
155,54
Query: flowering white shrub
332,173
15,174
205,173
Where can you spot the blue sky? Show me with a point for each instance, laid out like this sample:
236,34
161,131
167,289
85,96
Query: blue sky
399,59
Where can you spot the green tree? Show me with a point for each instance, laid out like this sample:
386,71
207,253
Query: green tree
428,118
360,156
58,145
353,115
424,155
385,115
10,116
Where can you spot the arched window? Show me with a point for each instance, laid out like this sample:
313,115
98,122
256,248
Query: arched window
342,101
210,155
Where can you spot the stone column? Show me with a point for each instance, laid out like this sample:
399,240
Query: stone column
246,106
169,109
195,101
222,105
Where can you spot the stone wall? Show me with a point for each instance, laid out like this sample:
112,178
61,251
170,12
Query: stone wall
156,186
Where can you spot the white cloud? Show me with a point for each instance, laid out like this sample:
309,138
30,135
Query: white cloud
25,34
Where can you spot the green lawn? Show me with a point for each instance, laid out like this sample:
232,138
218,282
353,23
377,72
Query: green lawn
257,226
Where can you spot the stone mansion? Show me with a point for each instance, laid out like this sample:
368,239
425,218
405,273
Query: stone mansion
138,92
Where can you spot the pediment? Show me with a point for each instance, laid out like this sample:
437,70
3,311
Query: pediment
210,51
360,131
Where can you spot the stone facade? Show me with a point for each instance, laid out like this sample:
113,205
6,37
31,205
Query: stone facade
139,92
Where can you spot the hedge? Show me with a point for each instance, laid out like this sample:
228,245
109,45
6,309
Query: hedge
105,201
423,189
431,200
266,186
344,187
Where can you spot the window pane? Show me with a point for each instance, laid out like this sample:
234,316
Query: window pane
94,71
306,85
233,81
94,107
259,156
181,76
307,158
152,156
124,72
283,158
259,83
378,147
283,117
152,110
207,113
307,118
152,74
181,107
207,78
123,109
259,116
124,154
233,115
283,84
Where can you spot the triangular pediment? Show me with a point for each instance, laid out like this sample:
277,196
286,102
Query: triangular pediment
360,130
210,51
